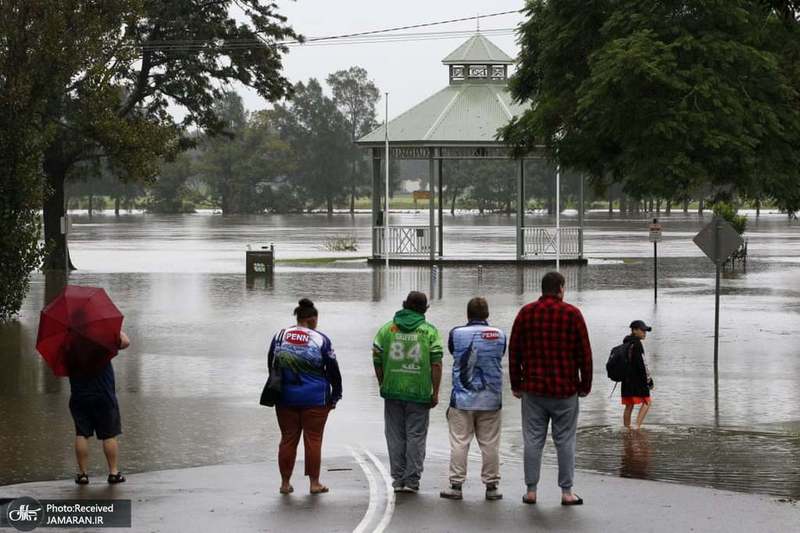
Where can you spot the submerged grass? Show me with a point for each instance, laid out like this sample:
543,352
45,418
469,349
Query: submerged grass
318,260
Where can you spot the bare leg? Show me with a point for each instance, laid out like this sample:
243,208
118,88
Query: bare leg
82,453
111,449
626,417
642,413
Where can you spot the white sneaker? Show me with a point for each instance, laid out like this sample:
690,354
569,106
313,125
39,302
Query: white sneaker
452,493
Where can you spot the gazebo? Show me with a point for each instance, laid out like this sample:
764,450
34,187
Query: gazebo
460,122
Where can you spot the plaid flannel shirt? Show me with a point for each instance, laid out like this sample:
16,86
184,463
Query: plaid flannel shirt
549,350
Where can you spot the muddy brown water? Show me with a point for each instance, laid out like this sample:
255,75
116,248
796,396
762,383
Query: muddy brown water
189,384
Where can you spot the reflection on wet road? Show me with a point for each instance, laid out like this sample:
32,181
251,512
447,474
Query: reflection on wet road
189,384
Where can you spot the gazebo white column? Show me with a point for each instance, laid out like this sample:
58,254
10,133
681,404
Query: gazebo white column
521,210
376,198
440,249
432,178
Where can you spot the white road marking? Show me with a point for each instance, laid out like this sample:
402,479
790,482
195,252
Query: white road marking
389,511
372,508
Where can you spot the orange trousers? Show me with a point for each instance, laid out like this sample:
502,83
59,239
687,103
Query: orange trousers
310,421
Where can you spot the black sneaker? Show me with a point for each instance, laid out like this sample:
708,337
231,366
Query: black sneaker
493,493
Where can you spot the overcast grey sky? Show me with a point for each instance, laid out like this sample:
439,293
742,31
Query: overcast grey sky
410,71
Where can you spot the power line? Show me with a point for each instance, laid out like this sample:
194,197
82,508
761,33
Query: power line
374,39
413,26
365,37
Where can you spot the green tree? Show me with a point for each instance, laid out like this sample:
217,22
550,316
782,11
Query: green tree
222,156
320,142
40,53
664,96
356,95
30,36
269,162
153,55
240,162
170,192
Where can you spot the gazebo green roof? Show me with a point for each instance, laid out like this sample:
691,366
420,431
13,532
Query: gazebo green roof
478,49
464,113
468,111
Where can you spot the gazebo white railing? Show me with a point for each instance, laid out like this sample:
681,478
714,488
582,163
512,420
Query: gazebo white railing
540,241
404,241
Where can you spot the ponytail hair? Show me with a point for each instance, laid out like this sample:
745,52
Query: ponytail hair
305,309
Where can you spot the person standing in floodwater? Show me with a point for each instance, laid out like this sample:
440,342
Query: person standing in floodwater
311,385
407,357
637,382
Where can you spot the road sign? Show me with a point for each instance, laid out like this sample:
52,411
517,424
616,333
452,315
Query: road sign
421,195
66,225
655,232
655,238
718,240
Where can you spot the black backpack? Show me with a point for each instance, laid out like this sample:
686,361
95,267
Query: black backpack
618,362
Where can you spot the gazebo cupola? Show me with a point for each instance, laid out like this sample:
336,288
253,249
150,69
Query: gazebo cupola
478,60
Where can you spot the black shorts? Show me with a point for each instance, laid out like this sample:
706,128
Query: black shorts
95,414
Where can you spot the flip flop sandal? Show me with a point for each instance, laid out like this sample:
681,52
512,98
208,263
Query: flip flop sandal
82,479
321,490
113,479
287,490
577,501
528,501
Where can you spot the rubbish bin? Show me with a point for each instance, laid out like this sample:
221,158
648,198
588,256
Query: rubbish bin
260,261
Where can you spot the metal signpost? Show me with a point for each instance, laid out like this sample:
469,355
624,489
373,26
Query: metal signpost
655,238
386,207
718,240
558,218
66,228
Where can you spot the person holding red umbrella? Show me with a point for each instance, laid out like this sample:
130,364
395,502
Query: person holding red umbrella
94,408
79,333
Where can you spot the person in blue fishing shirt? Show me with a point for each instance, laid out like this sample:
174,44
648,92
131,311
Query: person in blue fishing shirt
476,400
311,385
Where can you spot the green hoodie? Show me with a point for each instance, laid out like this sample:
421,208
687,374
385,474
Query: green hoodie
406,348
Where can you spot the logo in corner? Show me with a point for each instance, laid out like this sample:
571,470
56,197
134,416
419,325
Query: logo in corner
25,514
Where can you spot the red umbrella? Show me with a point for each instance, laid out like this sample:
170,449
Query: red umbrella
79,331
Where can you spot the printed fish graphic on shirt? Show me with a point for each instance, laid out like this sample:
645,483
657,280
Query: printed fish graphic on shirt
471,375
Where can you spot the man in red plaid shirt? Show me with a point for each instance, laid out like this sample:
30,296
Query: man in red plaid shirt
550,365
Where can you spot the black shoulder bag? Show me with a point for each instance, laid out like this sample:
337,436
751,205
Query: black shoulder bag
271,393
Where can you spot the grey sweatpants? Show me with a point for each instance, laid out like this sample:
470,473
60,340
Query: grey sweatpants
406,428
537,413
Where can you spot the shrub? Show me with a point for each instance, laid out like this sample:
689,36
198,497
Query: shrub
730,213
339,243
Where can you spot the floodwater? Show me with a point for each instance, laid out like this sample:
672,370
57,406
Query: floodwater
189,384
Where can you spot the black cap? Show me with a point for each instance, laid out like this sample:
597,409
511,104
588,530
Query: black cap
639,324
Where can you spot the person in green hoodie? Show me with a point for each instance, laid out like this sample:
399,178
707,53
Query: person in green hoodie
407,356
